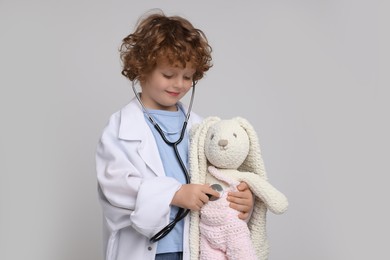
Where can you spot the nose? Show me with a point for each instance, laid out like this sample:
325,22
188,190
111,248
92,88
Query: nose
223,142
179,83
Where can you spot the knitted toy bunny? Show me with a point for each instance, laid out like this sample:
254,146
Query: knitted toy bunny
226,152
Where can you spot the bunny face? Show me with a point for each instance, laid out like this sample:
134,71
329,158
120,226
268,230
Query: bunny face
227,144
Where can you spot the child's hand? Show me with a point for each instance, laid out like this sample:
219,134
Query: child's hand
193,196
242,200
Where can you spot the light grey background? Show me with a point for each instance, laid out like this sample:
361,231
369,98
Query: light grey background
311,76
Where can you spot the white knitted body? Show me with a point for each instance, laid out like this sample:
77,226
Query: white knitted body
251,171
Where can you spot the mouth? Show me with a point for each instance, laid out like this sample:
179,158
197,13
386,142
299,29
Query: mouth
173,94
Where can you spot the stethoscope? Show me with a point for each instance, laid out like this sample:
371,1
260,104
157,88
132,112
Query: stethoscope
182,213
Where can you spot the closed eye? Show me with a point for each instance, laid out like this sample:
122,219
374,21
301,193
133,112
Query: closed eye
167,76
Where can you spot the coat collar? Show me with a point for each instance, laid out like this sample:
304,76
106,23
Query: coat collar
132,124
133,127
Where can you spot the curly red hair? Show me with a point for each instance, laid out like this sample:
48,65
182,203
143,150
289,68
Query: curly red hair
161,38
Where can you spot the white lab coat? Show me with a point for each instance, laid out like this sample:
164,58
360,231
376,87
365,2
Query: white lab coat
133,190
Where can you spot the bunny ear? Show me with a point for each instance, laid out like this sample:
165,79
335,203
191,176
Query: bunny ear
193,129
254,161
198,169
197,157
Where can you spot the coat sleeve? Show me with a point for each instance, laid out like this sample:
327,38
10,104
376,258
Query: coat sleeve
130,193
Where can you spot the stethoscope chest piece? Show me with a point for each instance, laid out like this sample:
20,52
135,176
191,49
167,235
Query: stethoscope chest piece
217,187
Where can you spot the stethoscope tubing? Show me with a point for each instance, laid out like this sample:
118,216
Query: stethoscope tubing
182,213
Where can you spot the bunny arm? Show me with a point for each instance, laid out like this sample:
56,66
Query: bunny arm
275,201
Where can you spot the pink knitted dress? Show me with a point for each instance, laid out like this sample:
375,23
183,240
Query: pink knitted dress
222,234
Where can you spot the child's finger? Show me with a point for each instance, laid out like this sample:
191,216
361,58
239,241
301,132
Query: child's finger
239,207
242,186
211,192
237,194
243,215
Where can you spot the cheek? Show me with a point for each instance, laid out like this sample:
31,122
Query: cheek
210,155
188,88
157,82
241,152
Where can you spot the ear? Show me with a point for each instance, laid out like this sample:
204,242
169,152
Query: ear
193,130
243,122
254,161
197,131
197,157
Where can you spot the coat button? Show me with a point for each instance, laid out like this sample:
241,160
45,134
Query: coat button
149,248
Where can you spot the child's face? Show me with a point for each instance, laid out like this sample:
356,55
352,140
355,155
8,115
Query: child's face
165,86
